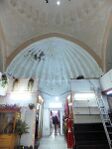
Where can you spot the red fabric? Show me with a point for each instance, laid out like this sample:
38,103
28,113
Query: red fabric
70,135
66,108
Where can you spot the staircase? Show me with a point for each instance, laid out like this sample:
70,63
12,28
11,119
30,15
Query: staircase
104,117
90,136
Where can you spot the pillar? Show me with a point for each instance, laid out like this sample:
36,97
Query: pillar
61,122
46,121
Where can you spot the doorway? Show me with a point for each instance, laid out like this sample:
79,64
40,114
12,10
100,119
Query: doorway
55,122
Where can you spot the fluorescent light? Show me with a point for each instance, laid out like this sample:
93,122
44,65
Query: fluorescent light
109,92
54,112
84,96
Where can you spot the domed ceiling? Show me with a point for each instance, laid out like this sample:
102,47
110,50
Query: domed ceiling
85,20
54,61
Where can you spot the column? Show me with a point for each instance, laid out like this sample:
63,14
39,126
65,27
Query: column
61,122
46,121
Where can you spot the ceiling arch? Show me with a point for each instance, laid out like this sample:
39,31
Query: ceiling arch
2,49
107,44
60,35
54,61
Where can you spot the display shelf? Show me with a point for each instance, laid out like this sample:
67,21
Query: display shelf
8,118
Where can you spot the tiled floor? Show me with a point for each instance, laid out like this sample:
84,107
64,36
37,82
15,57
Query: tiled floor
53,142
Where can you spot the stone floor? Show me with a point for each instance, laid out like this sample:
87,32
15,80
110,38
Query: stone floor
53,142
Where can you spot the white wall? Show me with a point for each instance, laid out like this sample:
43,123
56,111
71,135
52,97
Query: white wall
85,85
86,110
29,117
87,119
22,97
46,122
106,81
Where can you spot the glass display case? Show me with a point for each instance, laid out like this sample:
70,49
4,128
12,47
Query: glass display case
8,118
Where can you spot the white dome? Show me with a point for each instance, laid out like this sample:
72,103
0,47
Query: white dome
54,61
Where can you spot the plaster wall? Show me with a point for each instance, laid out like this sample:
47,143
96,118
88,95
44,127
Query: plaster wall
29,117
84,20
87,119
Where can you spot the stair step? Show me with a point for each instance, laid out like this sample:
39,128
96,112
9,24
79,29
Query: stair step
91,136
108,124
92,147
98,142
88,127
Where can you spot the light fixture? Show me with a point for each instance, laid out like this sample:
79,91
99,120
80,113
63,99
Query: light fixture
57,98
84,96
58,3
109,92
54,112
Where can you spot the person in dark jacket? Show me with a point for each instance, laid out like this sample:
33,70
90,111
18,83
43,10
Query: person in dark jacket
55,122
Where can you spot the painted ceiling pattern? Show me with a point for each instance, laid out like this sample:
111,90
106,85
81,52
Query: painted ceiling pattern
54,61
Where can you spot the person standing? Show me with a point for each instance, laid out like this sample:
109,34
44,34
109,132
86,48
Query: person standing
55,122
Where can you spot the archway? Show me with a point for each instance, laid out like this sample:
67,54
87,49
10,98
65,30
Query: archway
49,35
54,61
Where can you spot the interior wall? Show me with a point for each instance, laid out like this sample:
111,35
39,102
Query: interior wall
1,61
3,47
109,51
84,20
86,111
28,116
22,98
109,99
87,119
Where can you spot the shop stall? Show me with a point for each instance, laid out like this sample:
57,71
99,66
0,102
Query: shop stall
8,117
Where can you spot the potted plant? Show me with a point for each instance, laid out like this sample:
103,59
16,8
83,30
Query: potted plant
4,80
20,129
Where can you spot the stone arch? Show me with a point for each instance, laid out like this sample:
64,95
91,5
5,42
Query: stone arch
54,61
69,38
2,49
107,44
